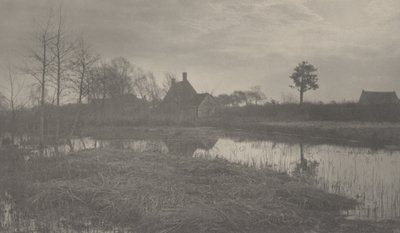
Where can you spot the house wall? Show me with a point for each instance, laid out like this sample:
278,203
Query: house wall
207,108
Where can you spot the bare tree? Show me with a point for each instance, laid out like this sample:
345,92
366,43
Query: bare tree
146,87
168,79
99,83
82,62
40,61
61,50
153,90
139,82
256,94
120,77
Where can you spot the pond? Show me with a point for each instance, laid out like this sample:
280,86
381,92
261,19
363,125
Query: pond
371,176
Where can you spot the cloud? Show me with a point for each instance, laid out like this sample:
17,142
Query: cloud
239,42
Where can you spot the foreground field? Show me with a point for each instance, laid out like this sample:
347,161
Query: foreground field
150,192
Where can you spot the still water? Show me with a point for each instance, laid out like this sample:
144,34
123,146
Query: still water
370,176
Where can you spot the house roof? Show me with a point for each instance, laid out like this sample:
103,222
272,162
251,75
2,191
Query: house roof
376,97
181,92
184,93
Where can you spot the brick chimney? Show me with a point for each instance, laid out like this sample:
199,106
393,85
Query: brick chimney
184,75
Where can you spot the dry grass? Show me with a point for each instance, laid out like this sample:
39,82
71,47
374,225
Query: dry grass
149,192
164,193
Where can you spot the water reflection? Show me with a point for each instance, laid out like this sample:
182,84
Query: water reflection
170,145
188,147
305,168
13,220
86,143
371,176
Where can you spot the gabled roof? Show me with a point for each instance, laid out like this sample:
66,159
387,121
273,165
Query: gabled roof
376,97
181,92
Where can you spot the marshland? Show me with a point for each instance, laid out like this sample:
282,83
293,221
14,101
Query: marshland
199,116
198,179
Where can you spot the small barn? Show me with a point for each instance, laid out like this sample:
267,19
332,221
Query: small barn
182,100
378,98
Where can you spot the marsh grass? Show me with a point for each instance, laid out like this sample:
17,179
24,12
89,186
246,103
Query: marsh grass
150,192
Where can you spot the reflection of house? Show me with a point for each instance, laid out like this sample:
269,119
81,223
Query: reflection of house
375,97
183,100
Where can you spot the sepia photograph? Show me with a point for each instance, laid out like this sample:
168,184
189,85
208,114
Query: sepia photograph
199,116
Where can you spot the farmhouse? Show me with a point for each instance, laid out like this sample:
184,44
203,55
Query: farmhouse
375,97
183,101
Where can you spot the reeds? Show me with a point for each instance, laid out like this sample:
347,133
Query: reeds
150,192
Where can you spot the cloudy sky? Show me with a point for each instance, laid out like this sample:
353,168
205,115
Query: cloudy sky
226,45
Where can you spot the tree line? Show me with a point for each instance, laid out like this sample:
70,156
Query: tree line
62,66
253,96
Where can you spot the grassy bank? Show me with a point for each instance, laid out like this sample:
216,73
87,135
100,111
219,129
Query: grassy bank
150,192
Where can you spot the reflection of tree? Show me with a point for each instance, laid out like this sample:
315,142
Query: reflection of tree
306,168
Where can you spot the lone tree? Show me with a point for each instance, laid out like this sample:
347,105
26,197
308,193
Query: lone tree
304,78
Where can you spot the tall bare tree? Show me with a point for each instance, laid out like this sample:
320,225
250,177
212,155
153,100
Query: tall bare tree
82,63
62,48
40,61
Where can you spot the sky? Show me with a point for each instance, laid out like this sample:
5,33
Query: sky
226,45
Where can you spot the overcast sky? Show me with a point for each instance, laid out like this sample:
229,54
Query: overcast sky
226,45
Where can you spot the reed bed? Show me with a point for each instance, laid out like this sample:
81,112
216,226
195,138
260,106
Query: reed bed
151,192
